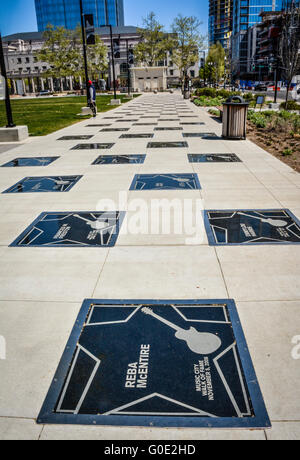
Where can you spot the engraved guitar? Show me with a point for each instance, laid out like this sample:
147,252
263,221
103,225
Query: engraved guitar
202,343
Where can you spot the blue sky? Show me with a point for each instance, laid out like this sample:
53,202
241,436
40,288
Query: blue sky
19,15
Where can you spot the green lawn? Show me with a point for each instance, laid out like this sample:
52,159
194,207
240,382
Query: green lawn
46,115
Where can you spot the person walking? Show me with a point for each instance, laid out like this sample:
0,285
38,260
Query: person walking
92,97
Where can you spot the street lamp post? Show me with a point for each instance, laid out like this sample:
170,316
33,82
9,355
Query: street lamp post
113,61
10,122
204,72
128,68
112,58
84,52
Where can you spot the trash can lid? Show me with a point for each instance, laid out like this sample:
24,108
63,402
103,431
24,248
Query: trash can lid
231,101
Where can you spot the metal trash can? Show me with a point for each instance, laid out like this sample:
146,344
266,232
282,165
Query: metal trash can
235,111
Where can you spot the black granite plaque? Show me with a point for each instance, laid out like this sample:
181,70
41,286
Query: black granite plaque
145,124
168,129
236,227
72,229
202,135
30,161
165,145
192,123
101,146
103,125
113,130
75,138
44,184
165,182
127,121
214,158
136,136
119,159
156,363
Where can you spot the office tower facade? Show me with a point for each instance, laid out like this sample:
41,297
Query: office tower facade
220,22
288,4
66,13
246,13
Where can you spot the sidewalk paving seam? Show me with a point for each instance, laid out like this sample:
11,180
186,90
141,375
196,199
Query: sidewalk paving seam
221,269
98,279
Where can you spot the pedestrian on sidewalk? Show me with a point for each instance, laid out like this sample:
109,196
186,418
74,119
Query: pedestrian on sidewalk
92,97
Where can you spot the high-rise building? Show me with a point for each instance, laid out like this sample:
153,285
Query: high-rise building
246,13
220,22
287,4
67,12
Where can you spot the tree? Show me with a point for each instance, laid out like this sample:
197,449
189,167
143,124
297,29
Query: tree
58,51
187,42
216,59
154,44
62,50
289,46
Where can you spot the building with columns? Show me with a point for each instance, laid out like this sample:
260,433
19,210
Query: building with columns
25,72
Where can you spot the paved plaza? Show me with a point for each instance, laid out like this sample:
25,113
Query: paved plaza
77,223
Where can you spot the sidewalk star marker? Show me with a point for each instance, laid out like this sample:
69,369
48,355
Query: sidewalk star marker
102,146
136,136
203,135
236,227
165,182
30,161
74,138
72,229
214,158
165,145
119,159
156,363
44,184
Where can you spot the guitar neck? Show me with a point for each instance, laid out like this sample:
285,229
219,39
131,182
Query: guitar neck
165,321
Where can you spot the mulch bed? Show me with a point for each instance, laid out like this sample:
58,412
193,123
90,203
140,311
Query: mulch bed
275,143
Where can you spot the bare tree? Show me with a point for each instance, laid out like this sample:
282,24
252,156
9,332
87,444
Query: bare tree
289,46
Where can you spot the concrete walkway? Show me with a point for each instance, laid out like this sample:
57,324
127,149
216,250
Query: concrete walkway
42,289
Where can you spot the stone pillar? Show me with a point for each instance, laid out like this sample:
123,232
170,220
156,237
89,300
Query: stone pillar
32,85
24,86
14,86
51,85
71,83
42,84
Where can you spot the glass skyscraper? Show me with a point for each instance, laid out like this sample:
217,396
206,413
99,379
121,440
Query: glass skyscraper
67,12
246,12
220,22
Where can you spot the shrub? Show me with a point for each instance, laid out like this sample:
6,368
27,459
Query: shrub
203,101
287,152
291,105
214,112
226,94
296,124
249,97
208,92
257,118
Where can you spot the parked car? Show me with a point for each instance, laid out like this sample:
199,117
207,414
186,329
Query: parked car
45,92
261,87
